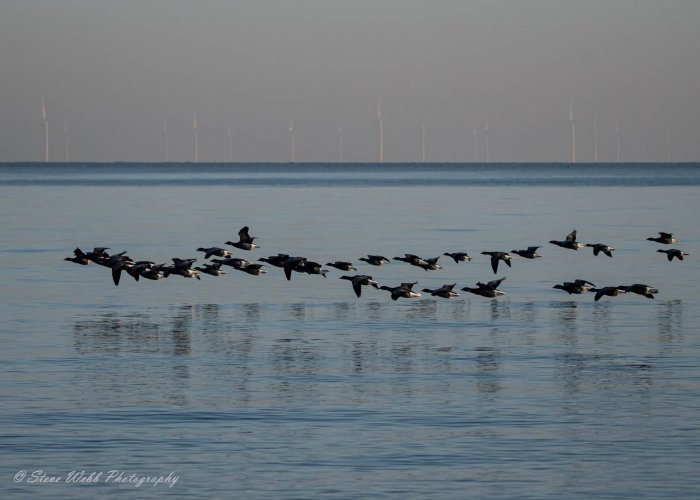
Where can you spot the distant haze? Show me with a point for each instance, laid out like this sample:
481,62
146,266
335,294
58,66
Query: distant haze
113,74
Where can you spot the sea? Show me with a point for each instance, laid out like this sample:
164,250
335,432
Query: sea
242,386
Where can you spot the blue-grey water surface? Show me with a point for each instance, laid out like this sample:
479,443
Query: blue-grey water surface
257,387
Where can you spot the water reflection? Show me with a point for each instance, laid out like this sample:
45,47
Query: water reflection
595,372
134,333
566,319
488,363
670,321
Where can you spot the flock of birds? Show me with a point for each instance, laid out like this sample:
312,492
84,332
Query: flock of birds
120,262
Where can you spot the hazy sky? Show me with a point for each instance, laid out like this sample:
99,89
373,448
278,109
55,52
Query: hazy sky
114,72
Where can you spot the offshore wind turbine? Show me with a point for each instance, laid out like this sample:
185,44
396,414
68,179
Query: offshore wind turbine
230,142
291,142
65,138
422,142
380,122
196,138
595,141
340,144
165,133
573,133
488,146
476,145
46,131
617,140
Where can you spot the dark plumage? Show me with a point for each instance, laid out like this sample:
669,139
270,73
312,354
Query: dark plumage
311,267
234,262
458,256
404,290
569,242
375,260
219,252
302,265
245,241
254,269
409,258
293,264
673,252
610,291
529,253
431,264
275,260
358,281
445,291
576,286
496,257
640,289
489,289
214,269
79,257
600,247
182,267
343,266
665,238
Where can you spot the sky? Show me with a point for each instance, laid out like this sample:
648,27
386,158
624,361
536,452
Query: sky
496,78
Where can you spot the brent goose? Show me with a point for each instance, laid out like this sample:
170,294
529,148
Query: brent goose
182,267
576,286
610,291
489,289
673,252
245,241
375,260
254,269
219,252
445,291
640,289
343,266
430,264
600,247
234,262
275,260
403,290
213,269
569,242
458,256
358,280
311,267
529,253
496,257
302,265
80,257
409,258
665,238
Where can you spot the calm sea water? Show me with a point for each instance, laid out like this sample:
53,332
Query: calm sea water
257,387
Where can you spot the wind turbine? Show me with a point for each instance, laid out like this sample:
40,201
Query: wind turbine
617,141
165,131
573,133
65,138
196,139
291,141
595,140
488,146
46,131
422,142
381,132
340,144
230,143
476,145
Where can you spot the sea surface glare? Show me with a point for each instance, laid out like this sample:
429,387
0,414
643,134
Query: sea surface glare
248,386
